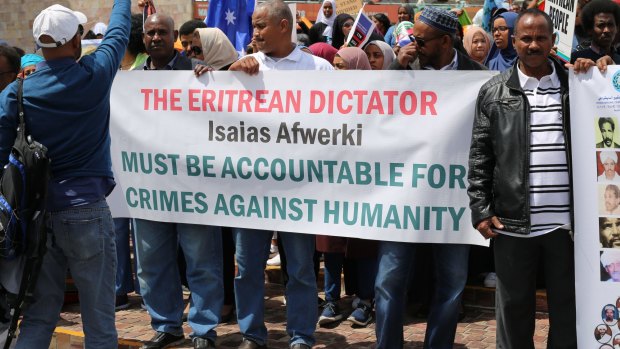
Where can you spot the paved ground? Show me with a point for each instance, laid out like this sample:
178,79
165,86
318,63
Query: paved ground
476,330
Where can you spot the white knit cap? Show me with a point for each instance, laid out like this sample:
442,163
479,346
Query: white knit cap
58,22
610,257
608,154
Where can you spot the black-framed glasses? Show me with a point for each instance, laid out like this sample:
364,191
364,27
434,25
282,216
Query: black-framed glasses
196,50
501,28
421,42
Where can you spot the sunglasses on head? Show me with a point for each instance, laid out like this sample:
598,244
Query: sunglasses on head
196,50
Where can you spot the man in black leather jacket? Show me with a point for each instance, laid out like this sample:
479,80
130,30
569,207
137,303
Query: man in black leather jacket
521,198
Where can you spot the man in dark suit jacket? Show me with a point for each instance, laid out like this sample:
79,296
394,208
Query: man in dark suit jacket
157,243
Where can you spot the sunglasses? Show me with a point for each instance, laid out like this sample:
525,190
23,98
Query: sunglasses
196,50
422,42
501,28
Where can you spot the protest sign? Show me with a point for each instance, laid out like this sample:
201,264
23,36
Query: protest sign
384,158
361,30
348,6
595,107
562,13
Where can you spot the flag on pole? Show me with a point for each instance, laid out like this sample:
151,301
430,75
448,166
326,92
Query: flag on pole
234,18
149,9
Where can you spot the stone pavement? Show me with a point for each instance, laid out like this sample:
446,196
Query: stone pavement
476,330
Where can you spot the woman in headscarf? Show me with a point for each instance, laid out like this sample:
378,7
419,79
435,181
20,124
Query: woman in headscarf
213,48
405,13
336,249
29,64
477,44
380,55
322,29
502,55
323,50
342,26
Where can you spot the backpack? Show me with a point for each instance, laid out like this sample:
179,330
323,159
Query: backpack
23,191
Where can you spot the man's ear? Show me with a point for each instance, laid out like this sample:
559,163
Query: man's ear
284,25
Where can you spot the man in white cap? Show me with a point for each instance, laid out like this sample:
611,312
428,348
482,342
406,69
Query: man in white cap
610,260
67,109
609,159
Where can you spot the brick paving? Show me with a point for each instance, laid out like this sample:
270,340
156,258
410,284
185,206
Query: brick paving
476,330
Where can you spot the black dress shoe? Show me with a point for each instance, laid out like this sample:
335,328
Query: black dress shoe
163,340
249,344
203,343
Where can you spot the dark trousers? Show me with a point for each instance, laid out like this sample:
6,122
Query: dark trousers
516,263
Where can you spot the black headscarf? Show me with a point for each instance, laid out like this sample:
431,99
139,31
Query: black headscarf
337,35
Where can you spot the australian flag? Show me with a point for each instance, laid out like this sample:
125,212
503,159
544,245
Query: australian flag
234,18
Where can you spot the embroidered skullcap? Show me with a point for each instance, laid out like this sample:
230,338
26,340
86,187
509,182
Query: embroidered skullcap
439,19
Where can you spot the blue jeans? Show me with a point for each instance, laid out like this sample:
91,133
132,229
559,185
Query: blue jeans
301,302
125,281
365,270
160,283
81,239
395,262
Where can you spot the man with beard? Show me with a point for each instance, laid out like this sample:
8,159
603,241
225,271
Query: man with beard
610,315
607,126
610,260
600,19
609,159
157,242
432,47
609,232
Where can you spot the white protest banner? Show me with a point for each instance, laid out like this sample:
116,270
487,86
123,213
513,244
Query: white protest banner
563,13
378,155
595,108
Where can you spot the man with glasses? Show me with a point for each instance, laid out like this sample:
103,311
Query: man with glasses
433,47
157,242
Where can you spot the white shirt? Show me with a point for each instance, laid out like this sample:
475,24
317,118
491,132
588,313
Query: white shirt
296,60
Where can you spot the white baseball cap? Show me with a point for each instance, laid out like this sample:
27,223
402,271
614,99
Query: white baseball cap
58,22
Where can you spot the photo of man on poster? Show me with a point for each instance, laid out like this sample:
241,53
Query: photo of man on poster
610,260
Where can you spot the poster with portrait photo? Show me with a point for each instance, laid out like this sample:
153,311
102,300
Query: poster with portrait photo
609,199
610,265
607,167
609,232
607,135
602,333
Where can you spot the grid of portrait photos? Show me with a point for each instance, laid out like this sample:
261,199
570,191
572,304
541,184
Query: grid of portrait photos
608,178
607,333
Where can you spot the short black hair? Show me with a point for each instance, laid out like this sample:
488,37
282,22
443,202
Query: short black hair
603,121
136,44
595,7
188,27
12,57
534,12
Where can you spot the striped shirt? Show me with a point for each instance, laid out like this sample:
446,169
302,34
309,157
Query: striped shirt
548,175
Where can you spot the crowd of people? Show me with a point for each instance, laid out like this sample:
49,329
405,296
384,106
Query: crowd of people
67,108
